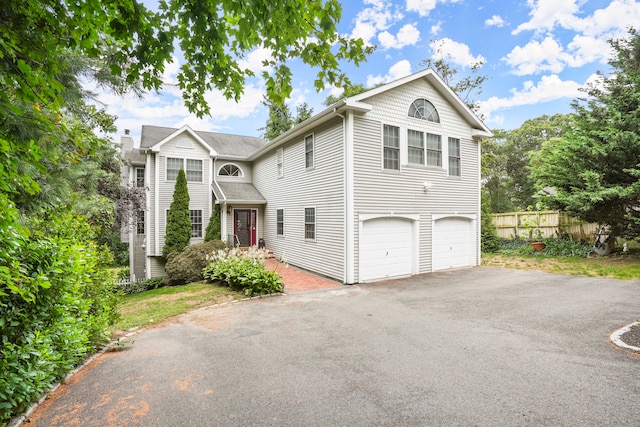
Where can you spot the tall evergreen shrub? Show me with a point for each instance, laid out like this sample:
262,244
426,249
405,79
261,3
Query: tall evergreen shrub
213,229
178,232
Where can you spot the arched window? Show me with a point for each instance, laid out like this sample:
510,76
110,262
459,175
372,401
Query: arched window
423,109
230,170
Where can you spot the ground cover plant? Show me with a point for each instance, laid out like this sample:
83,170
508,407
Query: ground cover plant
561,256
244,270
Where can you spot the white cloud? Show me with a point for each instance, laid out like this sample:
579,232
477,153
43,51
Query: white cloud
435,29
407,36
545,14
255,60
611,21
398,70
369,21
495,21
458,53
549,88
585,50
423,7
537,57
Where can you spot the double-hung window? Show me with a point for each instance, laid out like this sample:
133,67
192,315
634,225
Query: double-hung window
140,177
391,147
454,157
415,141
280,162
196,223
194,170
280,222
173,167
140,222
434,150
310,223
309,148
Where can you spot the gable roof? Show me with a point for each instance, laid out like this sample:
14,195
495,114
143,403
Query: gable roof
480,129
223,145
357,103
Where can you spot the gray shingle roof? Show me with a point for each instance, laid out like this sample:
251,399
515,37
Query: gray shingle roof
237,192
225,144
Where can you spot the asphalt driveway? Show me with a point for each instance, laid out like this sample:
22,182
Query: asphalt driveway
480,346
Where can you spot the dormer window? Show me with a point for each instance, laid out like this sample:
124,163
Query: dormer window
230,170
423,109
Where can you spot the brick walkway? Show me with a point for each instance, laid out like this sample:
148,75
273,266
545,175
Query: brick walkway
296,280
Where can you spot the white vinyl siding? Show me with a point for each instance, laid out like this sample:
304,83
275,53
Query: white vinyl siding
300,188
391,147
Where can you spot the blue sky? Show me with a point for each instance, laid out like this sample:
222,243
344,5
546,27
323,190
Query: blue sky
537,54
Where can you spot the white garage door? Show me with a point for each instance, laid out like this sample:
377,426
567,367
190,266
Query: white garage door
453,243
386,248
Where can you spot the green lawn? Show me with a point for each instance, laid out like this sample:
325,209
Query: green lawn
150,307
614,267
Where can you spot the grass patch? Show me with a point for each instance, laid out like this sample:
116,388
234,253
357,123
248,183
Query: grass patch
625,267
154,306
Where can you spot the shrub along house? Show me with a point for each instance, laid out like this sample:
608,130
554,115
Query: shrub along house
381,184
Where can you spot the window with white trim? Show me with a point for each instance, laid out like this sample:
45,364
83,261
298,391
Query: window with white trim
415,141
454,157
423,109
194,170
196,223
140,177
173,167
280,162
280,222
230,170
310,223
140,222
391,147
434,150
309,148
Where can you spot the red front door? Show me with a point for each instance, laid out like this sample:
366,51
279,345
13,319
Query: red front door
244,226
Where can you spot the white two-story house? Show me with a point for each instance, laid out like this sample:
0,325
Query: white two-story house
381,184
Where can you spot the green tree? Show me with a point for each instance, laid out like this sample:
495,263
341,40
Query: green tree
350,90
139,43
303,112
278,122
178,231
467,87
496,196
213,228
593,167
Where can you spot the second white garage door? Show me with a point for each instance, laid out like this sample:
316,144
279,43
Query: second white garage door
386,248
453,243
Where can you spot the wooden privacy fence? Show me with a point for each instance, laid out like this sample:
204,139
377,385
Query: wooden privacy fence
526,225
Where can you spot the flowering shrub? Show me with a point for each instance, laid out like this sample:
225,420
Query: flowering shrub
243,270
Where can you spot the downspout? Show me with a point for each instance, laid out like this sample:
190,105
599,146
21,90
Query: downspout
349,258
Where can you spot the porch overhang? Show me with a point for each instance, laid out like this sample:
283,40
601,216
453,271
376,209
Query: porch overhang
237,192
